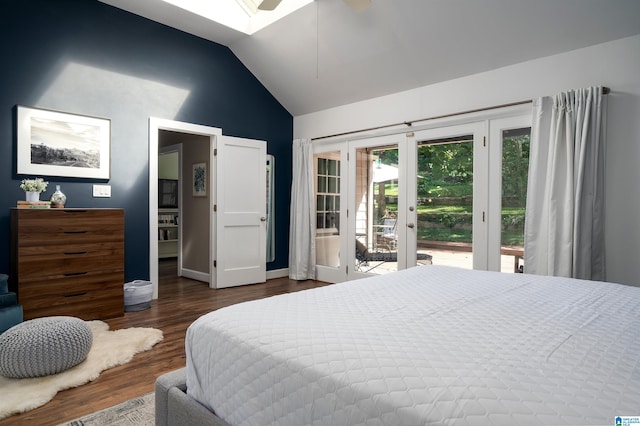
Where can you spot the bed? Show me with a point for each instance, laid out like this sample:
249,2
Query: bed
424,346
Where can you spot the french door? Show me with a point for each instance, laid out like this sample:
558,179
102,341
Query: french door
448,195
470,185
508,177
358,187
376,232
330,171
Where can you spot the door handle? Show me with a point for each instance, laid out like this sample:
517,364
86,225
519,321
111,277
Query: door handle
263,219
410,225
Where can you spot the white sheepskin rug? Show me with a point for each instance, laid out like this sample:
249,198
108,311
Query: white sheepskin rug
109,349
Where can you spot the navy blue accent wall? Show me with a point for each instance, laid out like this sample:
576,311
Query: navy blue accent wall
85,57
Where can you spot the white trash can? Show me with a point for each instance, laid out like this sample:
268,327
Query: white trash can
137,295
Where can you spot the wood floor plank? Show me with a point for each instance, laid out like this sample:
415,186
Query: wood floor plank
180,302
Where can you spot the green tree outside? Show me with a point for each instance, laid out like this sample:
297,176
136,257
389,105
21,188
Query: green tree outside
445,188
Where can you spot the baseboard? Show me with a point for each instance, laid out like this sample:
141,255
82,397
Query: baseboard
277,273
201,276
195,275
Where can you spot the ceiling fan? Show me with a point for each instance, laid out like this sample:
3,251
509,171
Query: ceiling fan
357,5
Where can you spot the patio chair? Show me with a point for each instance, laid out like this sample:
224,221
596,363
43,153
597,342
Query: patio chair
388,234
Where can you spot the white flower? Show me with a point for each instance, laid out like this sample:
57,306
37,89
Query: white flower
34,185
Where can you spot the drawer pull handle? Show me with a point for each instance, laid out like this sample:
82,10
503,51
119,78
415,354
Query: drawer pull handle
75,294
74,211
75,232
72,253
74,274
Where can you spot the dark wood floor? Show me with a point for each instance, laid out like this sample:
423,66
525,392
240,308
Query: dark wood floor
180,302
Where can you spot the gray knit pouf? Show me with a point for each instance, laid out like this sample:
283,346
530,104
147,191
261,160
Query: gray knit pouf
44,346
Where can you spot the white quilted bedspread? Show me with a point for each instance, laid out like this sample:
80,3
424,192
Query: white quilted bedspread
431,345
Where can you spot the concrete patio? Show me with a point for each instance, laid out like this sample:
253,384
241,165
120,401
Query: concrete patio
460,259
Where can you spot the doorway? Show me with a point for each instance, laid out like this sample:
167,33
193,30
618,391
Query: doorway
188,224
223,215
376,187
203,133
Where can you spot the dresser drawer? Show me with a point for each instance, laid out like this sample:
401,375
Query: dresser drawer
88,296
88,306
71,263
53,226
69,249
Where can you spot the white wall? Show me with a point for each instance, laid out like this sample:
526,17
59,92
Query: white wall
614,64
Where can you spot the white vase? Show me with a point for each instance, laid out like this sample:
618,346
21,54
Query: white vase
58,198
32,196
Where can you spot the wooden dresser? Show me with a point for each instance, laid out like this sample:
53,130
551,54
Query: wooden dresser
68,262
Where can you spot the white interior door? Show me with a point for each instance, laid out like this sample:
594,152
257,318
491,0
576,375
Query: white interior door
241,226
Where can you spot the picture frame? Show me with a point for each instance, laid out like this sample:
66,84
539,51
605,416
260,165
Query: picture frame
168,193
199,179
53,143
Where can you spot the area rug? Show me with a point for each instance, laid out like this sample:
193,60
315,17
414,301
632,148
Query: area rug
110,348
138,411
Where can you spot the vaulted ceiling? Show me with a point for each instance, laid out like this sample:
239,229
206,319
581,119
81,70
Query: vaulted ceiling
326,54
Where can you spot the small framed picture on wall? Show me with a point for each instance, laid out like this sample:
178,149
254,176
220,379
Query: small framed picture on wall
200,179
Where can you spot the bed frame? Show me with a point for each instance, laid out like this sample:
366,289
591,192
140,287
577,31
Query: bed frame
175,408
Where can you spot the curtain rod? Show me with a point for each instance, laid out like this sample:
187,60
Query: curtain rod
605,91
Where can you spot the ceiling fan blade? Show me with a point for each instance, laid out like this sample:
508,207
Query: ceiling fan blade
358,5
269,4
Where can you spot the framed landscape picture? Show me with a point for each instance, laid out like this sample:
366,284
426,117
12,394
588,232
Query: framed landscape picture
52,143
200,179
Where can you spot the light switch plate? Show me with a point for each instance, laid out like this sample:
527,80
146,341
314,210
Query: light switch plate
103,191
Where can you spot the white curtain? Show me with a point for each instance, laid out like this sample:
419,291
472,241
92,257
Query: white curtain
302,246
564,226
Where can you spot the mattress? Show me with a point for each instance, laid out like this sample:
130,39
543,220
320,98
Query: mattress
423,346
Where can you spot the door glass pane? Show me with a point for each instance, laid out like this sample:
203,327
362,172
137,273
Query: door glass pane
321,186
327,170
515,167
332,187
322,166
376,209
333,167
445,201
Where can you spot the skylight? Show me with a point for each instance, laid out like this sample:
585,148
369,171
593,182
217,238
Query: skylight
237,14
